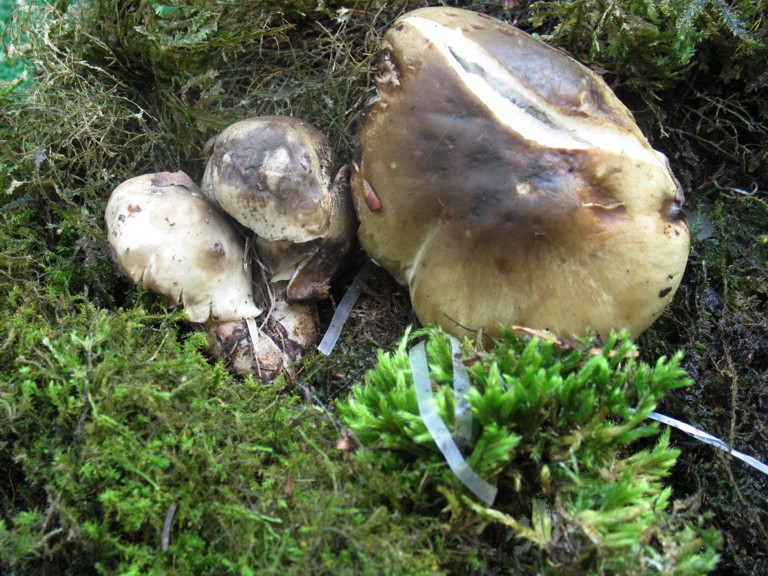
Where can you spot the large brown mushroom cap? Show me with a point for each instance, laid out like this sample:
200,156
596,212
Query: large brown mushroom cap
504,183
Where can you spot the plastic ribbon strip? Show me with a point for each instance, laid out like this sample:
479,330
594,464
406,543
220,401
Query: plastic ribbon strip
463,413
439,431
344,308
708,439
462,431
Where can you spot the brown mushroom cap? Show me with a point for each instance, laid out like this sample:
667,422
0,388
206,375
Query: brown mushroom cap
272,174
504,183
166,235
309,267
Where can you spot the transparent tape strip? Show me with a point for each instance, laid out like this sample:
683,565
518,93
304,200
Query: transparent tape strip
439,431
462,431
708,439
344,308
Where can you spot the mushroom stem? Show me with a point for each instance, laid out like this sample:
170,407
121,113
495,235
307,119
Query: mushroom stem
266,346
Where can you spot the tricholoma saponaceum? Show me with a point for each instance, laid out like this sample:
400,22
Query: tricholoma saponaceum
498,179
504,183
272,176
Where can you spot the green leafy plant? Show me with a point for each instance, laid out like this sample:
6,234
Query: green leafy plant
555,428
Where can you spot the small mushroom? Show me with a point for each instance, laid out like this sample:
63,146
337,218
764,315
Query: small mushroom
504,183
273,175
167,236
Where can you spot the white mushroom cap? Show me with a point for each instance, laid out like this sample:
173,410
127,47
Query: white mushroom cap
167,236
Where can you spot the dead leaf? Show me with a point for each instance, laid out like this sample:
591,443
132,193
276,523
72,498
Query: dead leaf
347,443
178,178
289,486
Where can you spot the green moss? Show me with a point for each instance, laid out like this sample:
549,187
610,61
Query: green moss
135,425
720,313
111,413
552,427
655,43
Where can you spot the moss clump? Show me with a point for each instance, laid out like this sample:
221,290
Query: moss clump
7,72
552,427
655,43
124,452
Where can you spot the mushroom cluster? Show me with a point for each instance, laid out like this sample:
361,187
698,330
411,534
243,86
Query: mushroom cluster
504,183
498,179
267,184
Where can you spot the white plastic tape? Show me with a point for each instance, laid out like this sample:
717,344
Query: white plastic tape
708,439
462,431
344,308
439,431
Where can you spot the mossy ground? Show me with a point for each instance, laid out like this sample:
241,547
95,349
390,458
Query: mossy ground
114,422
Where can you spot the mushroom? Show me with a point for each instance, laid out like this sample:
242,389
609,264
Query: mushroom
272,175
504,183
167,236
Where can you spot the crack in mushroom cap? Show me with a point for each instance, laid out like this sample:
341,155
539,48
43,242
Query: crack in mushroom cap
511,185
166,235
